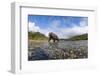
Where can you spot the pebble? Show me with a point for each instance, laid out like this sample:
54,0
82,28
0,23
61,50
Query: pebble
58,53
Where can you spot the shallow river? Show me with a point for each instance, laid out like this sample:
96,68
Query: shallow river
60,50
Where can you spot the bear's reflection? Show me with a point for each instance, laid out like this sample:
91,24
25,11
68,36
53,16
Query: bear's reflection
53,45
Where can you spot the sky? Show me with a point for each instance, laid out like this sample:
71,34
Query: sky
63,26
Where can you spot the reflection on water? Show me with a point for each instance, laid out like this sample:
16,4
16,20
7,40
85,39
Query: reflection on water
57,50
53,45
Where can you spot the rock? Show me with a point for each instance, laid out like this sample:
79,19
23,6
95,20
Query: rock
39,54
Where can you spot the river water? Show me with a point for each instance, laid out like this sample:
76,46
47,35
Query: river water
44,50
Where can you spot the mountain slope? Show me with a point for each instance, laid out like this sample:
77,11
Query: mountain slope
36,36
79,37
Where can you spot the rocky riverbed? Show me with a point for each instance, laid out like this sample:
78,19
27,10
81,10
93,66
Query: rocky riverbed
61,50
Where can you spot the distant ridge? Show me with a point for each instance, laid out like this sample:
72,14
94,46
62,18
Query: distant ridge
40,36
79,37
36,36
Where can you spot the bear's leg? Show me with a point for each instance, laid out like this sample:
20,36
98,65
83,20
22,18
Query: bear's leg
58,40
53,40
49,39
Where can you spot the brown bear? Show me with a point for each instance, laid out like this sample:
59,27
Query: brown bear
53,36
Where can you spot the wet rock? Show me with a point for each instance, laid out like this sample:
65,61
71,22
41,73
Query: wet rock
53,51
39,54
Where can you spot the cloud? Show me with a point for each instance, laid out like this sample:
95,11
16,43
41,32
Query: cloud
76,30
33,28
68,32
84,22
55,24
62,32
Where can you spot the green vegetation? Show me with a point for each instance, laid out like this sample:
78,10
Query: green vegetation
79,37
40,36
36,36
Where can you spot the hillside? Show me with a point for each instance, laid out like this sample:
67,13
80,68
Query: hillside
40,36
79,37
36,36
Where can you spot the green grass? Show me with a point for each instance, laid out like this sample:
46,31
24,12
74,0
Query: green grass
79,37
36,36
